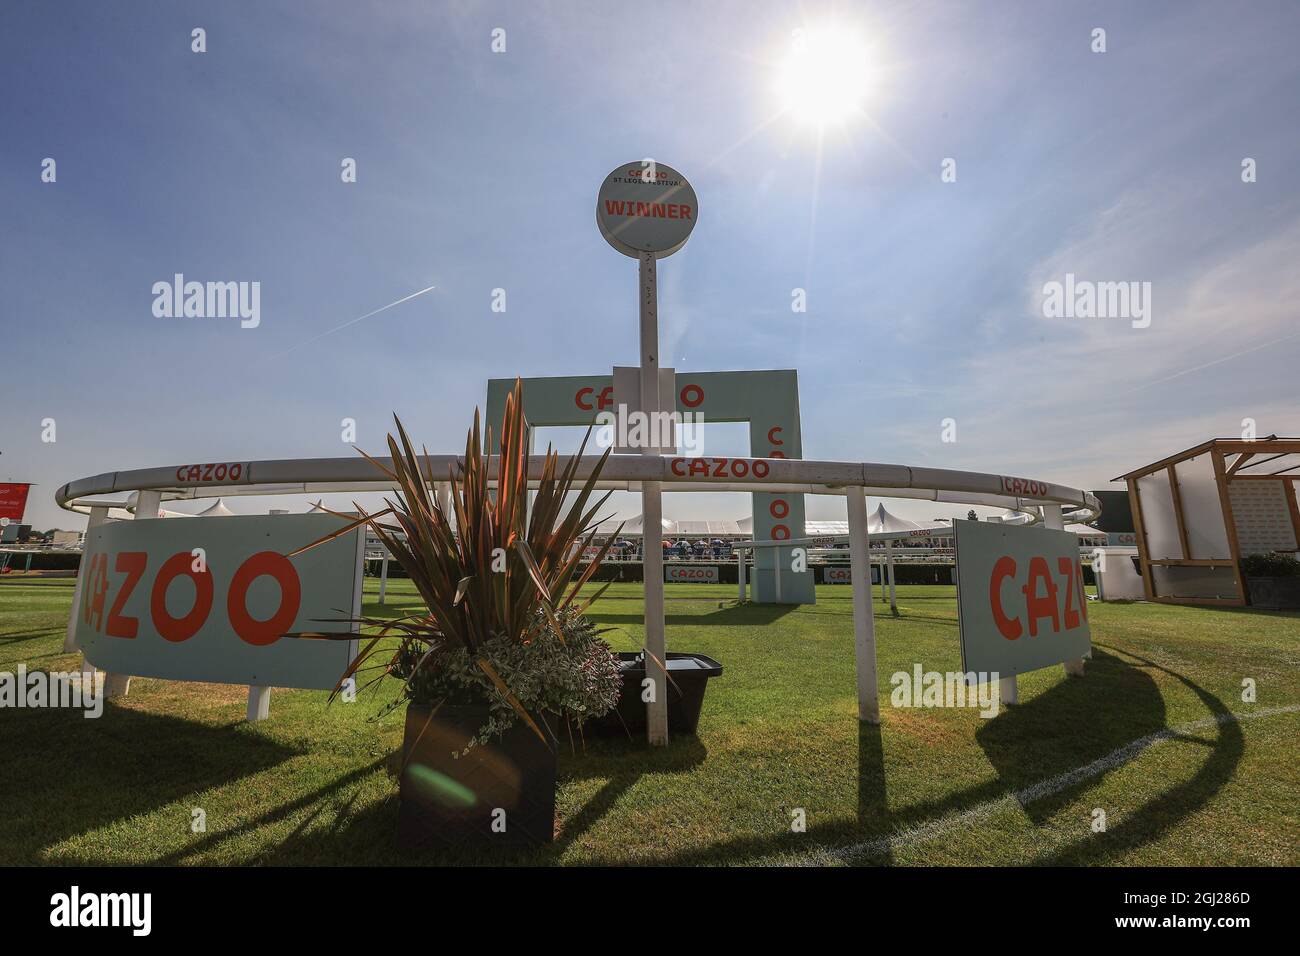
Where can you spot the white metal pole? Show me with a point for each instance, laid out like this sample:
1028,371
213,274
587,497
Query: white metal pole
740,572
652,515
97,517
383,576
1008,692
889,568
259,703
443,489
864,625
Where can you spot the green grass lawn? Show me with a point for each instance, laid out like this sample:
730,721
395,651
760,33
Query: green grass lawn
779,733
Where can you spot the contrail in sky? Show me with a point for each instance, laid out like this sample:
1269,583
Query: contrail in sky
1218,361
354,321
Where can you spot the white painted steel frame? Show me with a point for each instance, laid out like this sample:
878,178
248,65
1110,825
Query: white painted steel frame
622,473
645,473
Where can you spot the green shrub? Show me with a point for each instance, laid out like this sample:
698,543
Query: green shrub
1272,565
576,678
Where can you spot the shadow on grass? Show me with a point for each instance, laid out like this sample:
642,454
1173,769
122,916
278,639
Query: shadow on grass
349,839
66,775
1157,816
368,837
8,638
134,763
1073,724
1069,726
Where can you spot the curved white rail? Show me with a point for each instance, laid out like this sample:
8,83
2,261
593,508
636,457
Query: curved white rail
622,472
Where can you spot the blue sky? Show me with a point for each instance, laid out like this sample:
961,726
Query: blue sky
478,170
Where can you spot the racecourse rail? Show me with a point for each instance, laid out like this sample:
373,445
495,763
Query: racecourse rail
853,480
621,473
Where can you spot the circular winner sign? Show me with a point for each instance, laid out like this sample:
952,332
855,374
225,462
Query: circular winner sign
646,207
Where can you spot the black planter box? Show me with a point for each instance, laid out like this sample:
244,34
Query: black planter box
1274,594
449,800
689,673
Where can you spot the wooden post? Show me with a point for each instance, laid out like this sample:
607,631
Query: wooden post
1229,524
1144,551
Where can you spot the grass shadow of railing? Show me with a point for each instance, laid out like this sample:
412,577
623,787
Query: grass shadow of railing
1159,815
125,763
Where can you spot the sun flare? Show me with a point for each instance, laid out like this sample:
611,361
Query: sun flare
825,77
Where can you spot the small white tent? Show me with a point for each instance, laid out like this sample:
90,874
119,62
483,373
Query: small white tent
218,510
881,521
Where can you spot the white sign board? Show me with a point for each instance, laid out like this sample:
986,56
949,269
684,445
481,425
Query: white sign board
208,599
1020,598
646,206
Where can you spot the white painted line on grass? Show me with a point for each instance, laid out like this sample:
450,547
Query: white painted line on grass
1019,798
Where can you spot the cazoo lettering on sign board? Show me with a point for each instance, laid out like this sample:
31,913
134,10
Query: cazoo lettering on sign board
1021,597
209,599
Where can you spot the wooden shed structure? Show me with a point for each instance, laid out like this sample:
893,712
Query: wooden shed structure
1199,512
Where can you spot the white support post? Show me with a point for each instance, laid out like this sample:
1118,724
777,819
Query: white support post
889,569
740,572
864,625
259,703
97,517
147,504
1008,692
383,576
443,490
1052,518
652,515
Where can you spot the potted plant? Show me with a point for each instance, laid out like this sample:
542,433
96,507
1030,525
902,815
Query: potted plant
1272,581
502,659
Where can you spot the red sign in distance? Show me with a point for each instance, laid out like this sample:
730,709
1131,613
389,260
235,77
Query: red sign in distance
13,501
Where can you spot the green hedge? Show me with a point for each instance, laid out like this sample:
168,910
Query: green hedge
46,560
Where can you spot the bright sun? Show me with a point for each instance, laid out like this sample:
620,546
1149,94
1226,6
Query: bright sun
826,76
